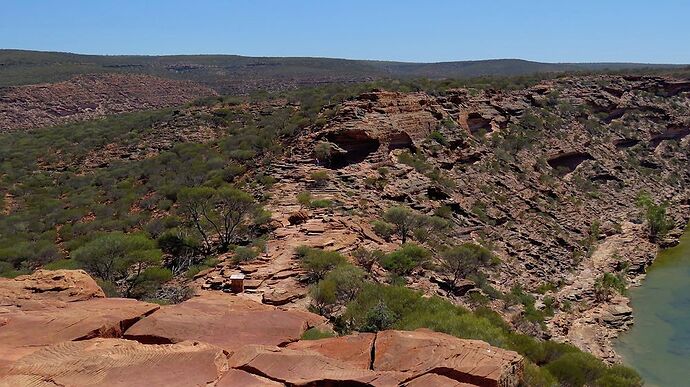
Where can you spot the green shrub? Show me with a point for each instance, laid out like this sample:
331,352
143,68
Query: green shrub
318,262
320,178
608,284
321,203
658,223
323,297
304,198
348,281
316,334
245,254
576,369
383,229
405,259
465,259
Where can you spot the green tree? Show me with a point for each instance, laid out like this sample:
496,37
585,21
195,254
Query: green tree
407,258
116,256
464,260
608,284
402,218
318,262
348,281
222,213
658,223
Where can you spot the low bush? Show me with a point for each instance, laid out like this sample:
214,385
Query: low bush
404,260
318,262
379,307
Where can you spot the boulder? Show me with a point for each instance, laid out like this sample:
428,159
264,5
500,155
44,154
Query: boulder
239,378
354,349
294,367
117,362
228,321
25,331
298,217
33,290
468,361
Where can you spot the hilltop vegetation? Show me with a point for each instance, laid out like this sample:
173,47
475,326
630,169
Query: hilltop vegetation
232,73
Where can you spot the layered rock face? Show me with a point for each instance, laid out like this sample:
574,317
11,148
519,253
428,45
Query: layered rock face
56,328
91,96
547,176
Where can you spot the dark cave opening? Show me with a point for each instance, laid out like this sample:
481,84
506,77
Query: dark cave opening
356,143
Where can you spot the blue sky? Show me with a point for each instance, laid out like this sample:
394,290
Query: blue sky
419,31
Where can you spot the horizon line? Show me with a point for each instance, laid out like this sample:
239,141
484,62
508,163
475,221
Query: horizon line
349,59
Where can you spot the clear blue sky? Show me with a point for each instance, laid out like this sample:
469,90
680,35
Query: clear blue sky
421,31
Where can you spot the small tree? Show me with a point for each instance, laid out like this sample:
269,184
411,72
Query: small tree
348,281
402,218
609,284
223,213
464,260
116,256
405,259
655,214
320,178
323,297
322,151
318,262
366,258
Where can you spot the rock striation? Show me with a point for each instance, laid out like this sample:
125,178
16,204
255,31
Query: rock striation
76,337
91,96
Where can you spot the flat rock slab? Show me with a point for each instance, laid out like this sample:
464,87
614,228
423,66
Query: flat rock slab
32,291
295,367
227,321
239,378
354,349
23,332
468,361
117,362
436,380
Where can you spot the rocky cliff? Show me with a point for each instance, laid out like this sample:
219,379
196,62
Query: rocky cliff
547,177
56,328
91,96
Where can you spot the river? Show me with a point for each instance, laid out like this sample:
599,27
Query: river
658,344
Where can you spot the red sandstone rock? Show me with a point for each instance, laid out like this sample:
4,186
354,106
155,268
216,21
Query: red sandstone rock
25,331
227,321
354,349
435,380
117,362
31,291
239,378
91,96
305,367
468,361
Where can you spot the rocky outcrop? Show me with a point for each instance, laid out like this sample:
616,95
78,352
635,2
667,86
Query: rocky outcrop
48,285
117,362
219,340
91,96
531,173
50,307
385,358
227,321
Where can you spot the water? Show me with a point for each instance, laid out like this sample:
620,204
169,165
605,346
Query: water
658,345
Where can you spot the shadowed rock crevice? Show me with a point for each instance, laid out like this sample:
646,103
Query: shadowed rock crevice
673,133
626,143
567,162
476,123
357,146
401,140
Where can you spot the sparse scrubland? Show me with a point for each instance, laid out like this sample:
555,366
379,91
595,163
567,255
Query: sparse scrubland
477,222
